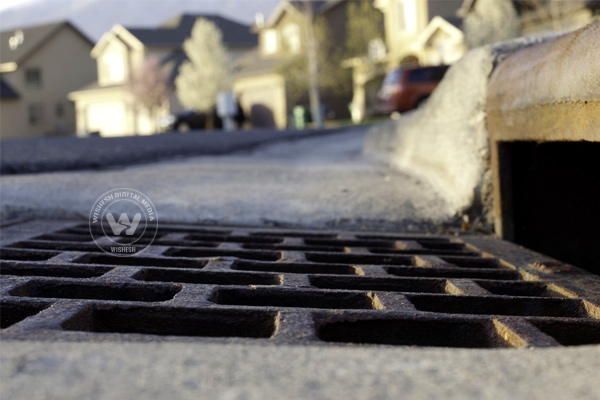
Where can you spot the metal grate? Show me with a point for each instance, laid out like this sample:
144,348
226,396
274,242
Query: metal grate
292,286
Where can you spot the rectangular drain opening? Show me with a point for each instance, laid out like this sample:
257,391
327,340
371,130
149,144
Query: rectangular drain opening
25,255
295,268
473,262
449,272
573,333
523,306
245,255
122,292
521,288
58,271
379,284
359,259
140,261
174,322
11,313
293,298
413,332
206,277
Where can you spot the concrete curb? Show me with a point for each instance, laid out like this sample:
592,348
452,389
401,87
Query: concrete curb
542,85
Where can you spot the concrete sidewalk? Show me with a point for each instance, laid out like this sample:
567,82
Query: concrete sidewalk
317,182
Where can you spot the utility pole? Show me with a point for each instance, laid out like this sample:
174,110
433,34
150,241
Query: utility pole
313,68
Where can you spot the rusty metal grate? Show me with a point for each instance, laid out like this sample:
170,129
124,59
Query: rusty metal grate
292,286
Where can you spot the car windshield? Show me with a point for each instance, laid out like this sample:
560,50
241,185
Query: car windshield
430,74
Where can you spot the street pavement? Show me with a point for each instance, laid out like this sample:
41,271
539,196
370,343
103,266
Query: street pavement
318,182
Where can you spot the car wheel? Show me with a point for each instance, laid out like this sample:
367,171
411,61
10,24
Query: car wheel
422,101
183,127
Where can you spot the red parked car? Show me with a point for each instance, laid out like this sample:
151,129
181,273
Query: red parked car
404,89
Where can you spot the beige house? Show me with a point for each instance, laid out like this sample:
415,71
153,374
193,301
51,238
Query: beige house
39,66
107,107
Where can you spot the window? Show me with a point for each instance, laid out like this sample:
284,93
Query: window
406,16
60,110
33,77
291,34
270,41
36,114
114,67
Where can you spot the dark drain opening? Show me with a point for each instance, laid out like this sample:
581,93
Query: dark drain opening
473,262
449,272
293,298
380,284
295,268
141,261
359,259
11,313
9,268
535,289
206,278
175,322
123,292
414,332
23,255
571,333
245,255
524,306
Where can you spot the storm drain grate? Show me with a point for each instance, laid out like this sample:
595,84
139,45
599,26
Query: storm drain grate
292,286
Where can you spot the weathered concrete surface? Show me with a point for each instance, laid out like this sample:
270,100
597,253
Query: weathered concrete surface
319,182
548,92
42,370
446,142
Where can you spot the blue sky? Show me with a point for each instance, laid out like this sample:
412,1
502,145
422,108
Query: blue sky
95,17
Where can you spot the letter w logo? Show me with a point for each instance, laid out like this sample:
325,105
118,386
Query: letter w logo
124,222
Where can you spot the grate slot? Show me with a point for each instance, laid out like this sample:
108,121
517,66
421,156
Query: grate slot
24,255
572,333
174,322
350,243
440,252
449,272
504,288
235,239
523,306
245,255
123,292
464,262
293,248
295,268
141,261
10,268
359,259
293,298
379,284
56,245
11,313
293,234
206,277
414,332
64,237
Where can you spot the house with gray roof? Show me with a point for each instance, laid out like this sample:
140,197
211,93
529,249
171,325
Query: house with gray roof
122,50
39,66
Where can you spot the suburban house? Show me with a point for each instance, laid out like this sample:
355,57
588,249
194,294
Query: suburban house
543,17
123,50
260,85
39,66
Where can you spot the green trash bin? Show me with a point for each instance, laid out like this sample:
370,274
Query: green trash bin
299,117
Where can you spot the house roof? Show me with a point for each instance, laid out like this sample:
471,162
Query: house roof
320,7
523,6
6,91
31,40
174,31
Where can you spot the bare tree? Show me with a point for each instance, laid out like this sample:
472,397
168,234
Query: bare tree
207,70
149,88
490,21
313,66
552,12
